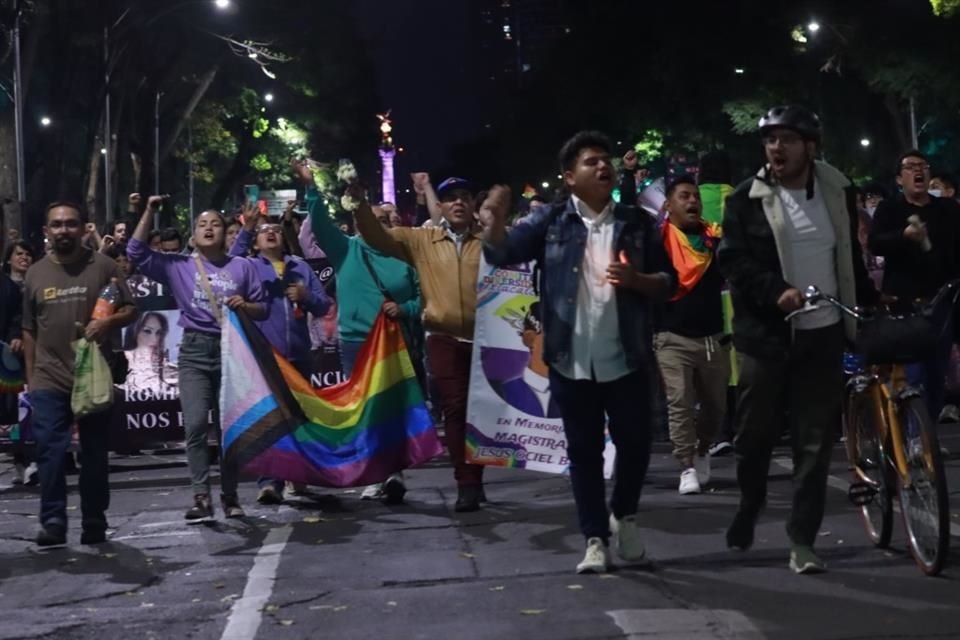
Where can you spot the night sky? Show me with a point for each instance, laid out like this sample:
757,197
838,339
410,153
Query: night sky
425,73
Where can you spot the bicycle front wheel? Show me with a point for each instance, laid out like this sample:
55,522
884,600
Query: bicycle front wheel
871,487
924,499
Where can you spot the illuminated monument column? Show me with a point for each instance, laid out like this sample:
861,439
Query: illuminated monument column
387,154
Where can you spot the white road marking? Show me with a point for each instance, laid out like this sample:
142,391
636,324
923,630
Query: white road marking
247,612
168,534
685,624
844,485
157,525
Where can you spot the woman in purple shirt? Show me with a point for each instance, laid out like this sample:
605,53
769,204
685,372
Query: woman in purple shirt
193,280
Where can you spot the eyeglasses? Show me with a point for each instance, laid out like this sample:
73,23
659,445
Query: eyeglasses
60,224
915,166
266,228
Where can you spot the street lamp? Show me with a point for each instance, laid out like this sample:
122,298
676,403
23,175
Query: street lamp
268,97
45,121
864,142
739,71
545,184
813,27
222,4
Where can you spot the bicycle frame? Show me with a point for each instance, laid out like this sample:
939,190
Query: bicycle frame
887,389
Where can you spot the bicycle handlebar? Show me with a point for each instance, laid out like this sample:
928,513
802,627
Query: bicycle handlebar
812,295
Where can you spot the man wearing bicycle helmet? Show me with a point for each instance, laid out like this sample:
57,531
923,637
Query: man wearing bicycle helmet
791,226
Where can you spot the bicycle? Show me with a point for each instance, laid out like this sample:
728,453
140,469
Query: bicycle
892,441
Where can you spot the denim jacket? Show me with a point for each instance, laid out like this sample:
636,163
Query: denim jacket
556,238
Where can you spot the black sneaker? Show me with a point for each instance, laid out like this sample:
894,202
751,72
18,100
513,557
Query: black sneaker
93,535
201,511
94,530
51,537
231,507
740,533
468,498
394,489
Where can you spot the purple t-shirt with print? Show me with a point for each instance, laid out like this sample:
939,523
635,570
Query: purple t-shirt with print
179,272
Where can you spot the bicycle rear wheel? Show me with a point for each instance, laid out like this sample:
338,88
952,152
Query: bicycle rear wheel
871,481
924,499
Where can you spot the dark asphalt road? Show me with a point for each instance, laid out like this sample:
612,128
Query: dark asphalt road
347,569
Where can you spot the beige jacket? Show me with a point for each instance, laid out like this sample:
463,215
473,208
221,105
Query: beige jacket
448,278
832,184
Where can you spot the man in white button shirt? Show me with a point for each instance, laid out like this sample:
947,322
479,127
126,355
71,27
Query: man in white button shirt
792,226
601,267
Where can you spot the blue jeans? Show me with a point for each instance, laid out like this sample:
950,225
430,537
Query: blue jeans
931,374
52,422
200,370
583,406
348,356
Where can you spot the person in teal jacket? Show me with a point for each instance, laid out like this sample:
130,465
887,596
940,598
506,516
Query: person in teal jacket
367,282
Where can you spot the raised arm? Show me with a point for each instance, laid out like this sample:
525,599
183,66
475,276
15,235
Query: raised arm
318,229
248,234
428,204
525,241
154,265
375,235
290,229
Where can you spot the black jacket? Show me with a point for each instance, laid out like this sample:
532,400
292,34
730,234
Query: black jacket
750,260
908,271
11,304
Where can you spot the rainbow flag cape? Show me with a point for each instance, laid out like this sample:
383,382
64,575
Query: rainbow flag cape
691,255
356,433
12,376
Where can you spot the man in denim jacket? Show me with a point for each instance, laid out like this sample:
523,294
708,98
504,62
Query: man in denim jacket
601,267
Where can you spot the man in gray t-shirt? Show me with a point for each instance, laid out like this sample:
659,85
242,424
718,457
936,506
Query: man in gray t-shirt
59,296
792,226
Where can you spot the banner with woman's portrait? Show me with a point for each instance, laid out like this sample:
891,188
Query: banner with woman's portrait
147,402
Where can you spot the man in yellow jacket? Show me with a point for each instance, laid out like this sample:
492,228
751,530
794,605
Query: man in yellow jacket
447,260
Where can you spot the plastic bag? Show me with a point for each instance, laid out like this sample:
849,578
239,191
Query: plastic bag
92,381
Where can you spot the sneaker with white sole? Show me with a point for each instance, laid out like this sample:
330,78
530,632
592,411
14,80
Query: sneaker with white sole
804,561
689,483
702,465
596,559
626,539
373,492
721,448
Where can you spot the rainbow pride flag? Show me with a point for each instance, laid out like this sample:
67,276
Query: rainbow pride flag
356,433
12,376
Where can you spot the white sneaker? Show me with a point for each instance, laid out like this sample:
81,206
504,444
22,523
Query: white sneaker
626,539
688,482
702,465
32,475
596,559
373,492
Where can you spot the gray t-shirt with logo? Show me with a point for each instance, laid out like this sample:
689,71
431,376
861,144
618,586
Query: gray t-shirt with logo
56,297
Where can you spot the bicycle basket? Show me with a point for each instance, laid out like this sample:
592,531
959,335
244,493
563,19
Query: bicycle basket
899,340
